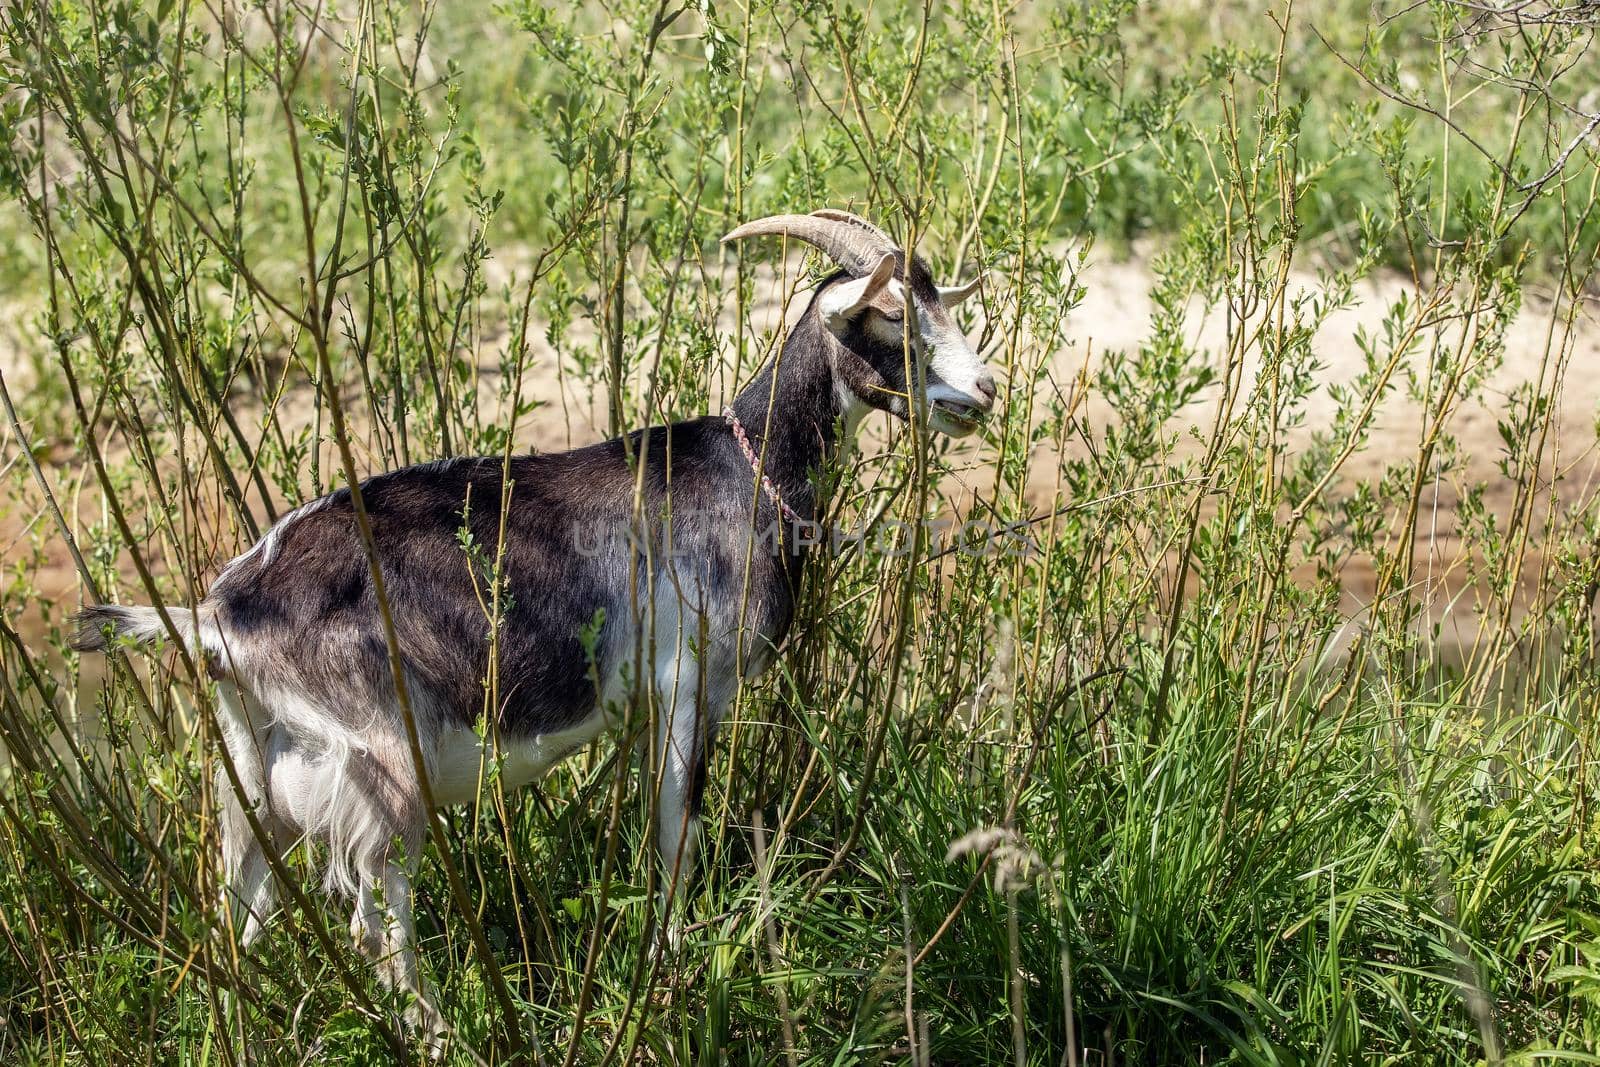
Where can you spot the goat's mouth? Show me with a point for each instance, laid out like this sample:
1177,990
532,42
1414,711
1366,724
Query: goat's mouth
956,417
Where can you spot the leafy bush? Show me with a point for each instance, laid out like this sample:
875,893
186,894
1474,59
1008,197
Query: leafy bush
1206,772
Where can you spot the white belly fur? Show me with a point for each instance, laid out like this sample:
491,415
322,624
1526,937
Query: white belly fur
465,761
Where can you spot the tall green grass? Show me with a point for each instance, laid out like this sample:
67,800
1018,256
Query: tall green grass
1152,790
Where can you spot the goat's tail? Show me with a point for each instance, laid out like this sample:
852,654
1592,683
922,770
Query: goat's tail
98,624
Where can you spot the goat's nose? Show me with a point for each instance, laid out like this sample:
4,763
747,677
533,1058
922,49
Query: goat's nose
986,386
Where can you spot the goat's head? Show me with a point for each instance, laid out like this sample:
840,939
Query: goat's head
881,299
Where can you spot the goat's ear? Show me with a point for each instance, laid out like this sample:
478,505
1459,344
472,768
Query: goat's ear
842,301
952,296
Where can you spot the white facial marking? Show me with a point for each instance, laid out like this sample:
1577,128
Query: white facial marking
960,388
852,409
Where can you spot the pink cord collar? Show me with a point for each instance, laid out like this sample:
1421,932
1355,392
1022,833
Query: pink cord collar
755,465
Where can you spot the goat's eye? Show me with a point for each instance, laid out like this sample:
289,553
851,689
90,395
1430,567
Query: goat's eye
892,316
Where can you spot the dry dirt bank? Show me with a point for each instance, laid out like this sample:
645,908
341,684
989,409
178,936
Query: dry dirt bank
1116,314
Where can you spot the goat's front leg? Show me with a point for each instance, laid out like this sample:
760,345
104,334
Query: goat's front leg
691,706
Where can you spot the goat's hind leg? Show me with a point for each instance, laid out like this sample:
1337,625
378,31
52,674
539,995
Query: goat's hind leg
249,894
249,888
383,805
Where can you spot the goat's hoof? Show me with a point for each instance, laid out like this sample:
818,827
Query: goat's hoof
435,1042
670,939
424,1021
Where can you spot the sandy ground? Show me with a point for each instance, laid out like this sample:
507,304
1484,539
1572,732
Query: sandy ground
1116,314
1117,310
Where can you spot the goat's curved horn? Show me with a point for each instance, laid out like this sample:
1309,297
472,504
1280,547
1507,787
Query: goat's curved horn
854,220
853,243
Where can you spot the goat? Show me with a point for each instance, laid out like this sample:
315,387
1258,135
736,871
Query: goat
293,634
